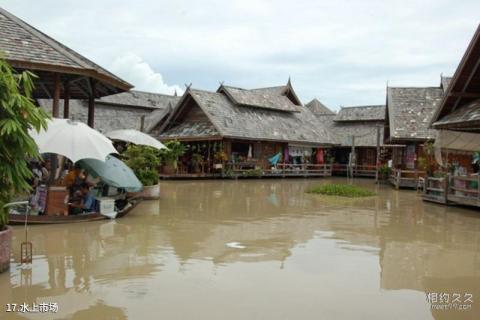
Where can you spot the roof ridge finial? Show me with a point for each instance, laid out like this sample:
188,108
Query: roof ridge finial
175,93
188,86
289,82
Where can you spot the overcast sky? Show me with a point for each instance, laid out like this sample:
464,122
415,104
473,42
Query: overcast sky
341,52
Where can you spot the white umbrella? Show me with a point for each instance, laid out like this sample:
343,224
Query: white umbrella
136,137
74,140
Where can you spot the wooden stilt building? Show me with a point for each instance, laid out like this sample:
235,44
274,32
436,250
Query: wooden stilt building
355,129
240,132
458,122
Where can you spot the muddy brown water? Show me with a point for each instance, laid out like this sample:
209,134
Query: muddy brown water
255,249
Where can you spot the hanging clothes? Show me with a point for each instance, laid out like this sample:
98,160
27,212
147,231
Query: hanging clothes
320,156
286,154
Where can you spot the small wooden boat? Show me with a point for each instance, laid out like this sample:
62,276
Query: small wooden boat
16,219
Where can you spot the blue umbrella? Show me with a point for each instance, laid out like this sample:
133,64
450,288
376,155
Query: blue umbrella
113,172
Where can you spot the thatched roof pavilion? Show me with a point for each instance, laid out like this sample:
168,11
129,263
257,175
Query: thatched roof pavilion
460,108
62,72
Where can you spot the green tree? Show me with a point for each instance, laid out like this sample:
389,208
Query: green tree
18,114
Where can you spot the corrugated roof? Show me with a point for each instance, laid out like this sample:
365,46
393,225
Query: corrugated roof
410,111
361,113
267,98
237,121
318,108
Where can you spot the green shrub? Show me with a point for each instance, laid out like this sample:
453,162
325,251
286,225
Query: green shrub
341,190
144,162
253,173
18,113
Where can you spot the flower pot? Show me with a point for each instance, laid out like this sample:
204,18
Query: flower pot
148,192
5,248
169,169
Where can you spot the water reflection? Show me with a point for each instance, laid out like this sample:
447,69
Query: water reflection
217,249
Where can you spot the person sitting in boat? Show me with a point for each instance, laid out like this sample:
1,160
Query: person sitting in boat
83,200
74,179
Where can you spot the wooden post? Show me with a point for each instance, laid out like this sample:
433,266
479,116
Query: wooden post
55,114
56,95
352,157
445,186
66,101
377,161
142,123
91,104
208,156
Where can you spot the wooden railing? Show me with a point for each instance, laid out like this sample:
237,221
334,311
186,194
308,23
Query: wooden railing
406,178
258,169
435,189
302,169
464,190
358,170
284,169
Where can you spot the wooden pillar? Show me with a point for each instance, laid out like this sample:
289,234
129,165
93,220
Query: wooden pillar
142,123
66,101
56,95
377,157
91,104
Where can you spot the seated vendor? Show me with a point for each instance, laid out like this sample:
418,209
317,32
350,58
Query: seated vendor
74,179
82,200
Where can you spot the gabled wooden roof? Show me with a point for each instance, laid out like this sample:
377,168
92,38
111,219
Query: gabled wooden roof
141,99
273,98
233,120
27,48
464,87
410,110
318,108
361,113
365,132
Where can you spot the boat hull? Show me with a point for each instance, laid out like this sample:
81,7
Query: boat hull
16,219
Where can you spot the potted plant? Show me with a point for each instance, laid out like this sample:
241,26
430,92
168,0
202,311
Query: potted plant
18,113
427,163
220,158
197,162
384,171
169,156
144,162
